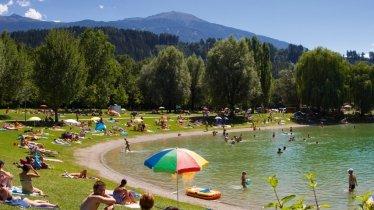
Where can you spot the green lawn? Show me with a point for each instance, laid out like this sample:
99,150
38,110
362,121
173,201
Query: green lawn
69,193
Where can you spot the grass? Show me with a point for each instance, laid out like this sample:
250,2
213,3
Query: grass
68,193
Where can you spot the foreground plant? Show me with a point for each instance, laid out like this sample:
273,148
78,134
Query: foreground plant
366,201
313,185
273,182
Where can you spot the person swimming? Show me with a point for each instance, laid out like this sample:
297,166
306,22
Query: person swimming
279,151
284,148
273,134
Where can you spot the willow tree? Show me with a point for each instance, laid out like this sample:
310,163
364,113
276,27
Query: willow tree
230,73
362,86
60,71
196,68
166,80
320,78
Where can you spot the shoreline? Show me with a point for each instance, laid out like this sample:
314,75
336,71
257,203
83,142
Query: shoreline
95,155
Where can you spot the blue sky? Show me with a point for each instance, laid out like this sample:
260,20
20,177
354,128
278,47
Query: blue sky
336,24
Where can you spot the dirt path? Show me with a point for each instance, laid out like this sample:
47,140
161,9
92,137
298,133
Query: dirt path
96,152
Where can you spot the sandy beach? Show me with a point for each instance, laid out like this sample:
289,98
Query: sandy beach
92,158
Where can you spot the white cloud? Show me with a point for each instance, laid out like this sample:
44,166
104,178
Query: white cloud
23,3
57,21
10,3
32,13
101,6
3,9
40,0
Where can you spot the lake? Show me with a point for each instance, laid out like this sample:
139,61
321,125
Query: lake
339,148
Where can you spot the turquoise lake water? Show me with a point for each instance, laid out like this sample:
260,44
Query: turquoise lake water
340,147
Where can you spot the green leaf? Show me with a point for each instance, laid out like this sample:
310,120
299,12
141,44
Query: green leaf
287,198
324,206
271,205
273,181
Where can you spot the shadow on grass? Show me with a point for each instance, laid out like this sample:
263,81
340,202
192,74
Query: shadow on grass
5,117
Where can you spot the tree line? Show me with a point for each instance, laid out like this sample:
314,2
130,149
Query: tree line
85,70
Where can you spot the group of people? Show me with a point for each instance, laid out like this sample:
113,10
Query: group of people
121,196
26,176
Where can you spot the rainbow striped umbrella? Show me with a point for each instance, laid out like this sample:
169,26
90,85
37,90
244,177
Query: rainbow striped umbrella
175,161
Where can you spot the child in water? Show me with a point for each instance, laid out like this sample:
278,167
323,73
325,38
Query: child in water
352,181
244,179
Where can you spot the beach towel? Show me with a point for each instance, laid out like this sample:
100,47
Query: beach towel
60,142
53,160
18,191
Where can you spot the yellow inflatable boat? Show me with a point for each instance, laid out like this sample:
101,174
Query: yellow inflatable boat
203,193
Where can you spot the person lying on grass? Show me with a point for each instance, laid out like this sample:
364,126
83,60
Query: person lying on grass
28,172
5,177
80,175
7,198
122,195
93,201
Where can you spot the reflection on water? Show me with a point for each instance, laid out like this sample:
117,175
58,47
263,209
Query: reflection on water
338,148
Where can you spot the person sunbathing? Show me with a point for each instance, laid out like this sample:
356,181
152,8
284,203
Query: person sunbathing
93,201
7,198
122,195
5,176
28,172
81,175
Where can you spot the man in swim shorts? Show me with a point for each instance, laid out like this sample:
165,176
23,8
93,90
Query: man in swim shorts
244,179
352,181
93,201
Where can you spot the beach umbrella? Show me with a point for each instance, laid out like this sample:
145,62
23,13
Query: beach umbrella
71,122
218,118
161,107
175,161
34,119
95,119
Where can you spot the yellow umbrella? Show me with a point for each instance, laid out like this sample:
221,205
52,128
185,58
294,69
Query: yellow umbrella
34,119
95,119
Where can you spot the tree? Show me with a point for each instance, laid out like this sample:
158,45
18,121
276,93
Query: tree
231,74
196,68
166,80
60,72
127,79
362,86
285,87
261,55
103,70
15,70
320,78
264,72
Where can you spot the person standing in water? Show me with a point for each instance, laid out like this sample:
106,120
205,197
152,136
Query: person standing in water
127,145
244,179
352,181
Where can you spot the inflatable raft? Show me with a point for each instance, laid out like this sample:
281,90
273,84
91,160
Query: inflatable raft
203,193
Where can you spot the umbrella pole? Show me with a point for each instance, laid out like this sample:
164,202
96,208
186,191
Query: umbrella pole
177,189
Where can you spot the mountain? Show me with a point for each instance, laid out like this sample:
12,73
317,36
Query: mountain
186,26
